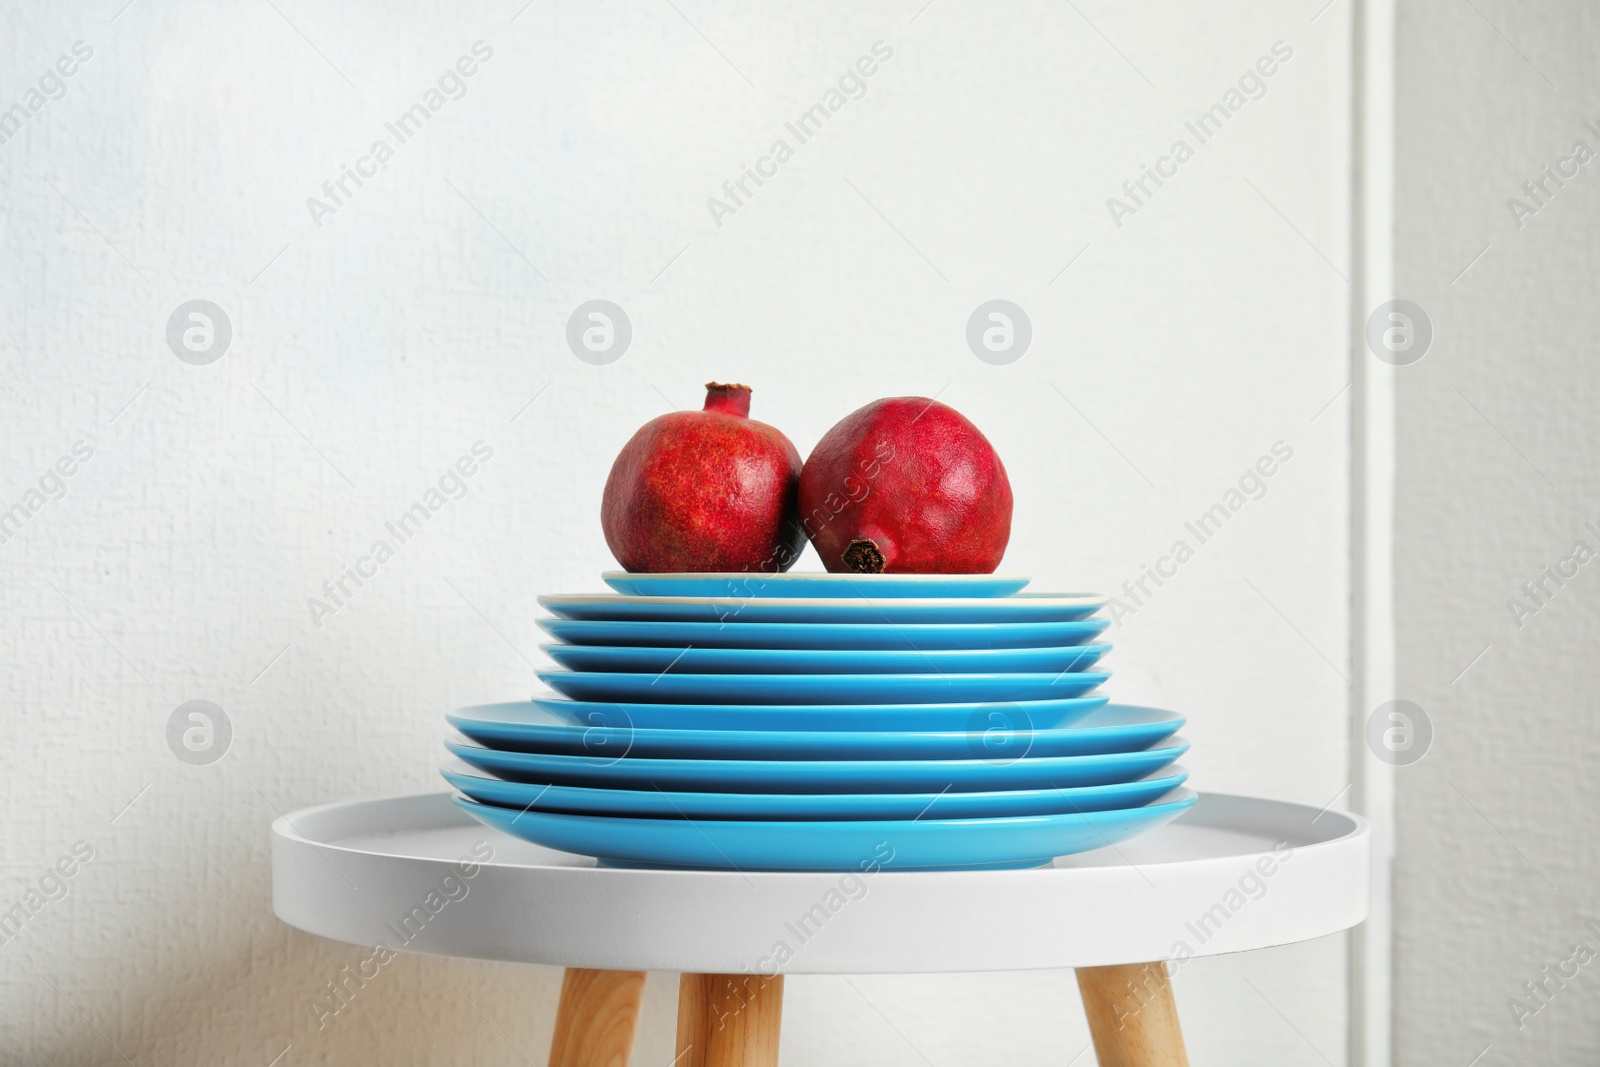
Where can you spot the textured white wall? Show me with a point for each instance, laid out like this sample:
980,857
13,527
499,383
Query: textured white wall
424,315
1497,453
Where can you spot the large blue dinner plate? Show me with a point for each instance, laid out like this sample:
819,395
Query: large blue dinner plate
990,732
853,845
836,635
1020,607
669,686
821,776
956,716
822,660
814,584
653,803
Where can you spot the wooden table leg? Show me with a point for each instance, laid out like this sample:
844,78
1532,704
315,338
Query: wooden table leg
596,1018
1132,1017
728,1020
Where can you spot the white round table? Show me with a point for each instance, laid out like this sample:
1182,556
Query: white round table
416,874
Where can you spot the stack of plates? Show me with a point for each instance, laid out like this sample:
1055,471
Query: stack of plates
821,722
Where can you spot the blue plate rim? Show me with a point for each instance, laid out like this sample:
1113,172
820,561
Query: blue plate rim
996,822
1177,721
1167,744
912,677
812,584
840,708
1170,770
1098,650
1065,600
808,576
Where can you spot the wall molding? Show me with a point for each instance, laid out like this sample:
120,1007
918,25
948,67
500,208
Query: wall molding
1372,477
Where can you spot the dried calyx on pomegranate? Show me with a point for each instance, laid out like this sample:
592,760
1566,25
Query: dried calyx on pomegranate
906,485
709,490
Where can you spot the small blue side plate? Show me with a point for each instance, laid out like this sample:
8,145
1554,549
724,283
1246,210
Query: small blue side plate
901,637
819,688
955,716
814,584
1019,607
823,660
867,846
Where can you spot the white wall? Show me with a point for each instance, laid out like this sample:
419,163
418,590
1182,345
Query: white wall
371,352
1497,456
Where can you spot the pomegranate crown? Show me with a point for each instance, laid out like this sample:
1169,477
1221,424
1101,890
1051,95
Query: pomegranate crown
728,399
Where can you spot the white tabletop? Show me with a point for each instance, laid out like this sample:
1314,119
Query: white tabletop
417,874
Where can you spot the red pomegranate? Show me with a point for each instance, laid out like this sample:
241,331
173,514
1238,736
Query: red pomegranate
906,485
709,490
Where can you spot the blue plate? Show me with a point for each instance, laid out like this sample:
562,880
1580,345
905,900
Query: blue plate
991,732
957,716
894,611
576,800
821,776
823,660
804,584
668,687
837,635
857,845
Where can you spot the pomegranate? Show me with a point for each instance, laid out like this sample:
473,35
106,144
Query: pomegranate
709,490
906,485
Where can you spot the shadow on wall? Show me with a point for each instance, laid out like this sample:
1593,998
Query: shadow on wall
257,996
